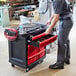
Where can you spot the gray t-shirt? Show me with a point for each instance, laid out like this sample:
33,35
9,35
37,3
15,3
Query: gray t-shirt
61,7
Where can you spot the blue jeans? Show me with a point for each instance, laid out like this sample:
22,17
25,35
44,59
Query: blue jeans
63,40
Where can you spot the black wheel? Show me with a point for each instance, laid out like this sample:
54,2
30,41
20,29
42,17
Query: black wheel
40,61
27,69
12,65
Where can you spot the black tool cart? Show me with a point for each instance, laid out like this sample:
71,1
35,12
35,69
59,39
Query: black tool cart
27,45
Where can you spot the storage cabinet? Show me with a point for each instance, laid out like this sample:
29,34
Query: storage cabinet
28,48
4,16
24,55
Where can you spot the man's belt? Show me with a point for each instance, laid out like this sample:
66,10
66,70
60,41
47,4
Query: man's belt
66,18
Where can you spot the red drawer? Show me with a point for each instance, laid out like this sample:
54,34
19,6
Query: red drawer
47,40
42,40
32,60
42,54
32,50
34,53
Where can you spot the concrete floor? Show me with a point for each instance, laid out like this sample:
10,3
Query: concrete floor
41,69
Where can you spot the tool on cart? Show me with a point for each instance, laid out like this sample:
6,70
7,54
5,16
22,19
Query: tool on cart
27,48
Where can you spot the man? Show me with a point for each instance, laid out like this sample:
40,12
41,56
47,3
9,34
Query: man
62,13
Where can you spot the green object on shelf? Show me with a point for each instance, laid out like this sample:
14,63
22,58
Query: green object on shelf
4,16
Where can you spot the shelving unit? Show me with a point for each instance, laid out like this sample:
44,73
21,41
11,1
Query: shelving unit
19,4
4,16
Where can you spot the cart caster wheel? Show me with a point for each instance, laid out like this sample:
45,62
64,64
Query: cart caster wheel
27,69
40,61
12,65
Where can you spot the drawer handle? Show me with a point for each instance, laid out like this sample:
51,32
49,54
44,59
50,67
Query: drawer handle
38,36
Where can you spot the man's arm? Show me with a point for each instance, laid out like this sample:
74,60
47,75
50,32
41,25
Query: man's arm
50,19
53,23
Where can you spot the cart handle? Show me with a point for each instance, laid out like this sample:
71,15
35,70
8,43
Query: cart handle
6,33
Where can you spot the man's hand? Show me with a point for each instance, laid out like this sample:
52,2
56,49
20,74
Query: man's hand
48,31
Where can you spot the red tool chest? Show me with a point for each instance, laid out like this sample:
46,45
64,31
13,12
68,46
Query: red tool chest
28,49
